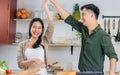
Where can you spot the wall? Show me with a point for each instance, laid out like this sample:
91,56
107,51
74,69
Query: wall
61,54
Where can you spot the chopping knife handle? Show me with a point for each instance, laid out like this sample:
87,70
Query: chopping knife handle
119,25
109,27
113,23
54,63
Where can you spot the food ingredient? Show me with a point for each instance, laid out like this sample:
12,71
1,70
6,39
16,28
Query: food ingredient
8,71
76,12
58,17
22,13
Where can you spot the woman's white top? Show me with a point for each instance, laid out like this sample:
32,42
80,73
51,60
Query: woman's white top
31,53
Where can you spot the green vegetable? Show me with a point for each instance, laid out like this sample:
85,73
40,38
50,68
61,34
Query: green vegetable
3,65
78,34
2,72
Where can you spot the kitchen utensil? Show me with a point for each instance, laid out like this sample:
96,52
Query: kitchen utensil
66,73
105,24
27,35
113,27
118,32
53,68
50,66
53,63
109,27
18,37
113,30
113,23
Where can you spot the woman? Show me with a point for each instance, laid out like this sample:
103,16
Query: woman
33,51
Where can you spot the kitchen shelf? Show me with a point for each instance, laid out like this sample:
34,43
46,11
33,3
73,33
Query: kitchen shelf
25,20
58,45
103,16
64,45
28,20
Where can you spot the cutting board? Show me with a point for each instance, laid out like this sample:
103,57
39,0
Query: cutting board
27,72
66,73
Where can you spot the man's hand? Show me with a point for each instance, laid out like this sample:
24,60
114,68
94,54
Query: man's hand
113,63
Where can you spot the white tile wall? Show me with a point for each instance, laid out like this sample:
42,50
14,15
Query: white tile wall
9,53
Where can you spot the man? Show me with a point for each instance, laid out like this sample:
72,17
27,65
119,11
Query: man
95,41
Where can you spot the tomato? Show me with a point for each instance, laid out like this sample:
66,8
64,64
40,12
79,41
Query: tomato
8,71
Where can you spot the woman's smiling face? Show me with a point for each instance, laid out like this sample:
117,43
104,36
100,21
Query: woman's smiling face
36,29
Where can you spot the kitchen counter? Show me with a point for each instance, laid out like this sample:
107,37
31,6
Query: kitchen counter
16,71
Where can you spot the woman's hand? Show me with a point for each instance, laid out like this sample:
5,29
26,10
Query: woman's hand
44,2
39,62
52,1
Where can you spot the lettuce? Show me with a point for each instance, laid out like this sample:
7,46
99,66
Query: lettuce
3,65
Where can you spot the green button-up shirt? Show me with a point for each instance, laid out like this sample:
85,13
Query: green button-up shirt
94,47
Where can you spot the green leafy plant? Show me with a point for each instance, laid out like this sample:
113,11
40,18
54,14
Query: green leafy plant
3,67
78,34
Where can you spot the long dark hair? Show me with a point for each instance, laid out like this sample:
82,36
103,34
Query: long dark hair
39,40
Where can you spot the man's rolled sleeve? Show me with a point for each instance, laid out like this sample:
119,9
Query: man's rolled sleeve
77,25
108,48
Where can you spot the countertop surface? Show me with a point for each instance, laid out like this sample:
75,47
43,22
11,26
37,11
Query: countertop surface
16,71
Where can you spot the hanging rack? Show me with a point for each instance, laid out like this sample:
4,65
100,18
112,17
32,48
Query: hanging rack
110,16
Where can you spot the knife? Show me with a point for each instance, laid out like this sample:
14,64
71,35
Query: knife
109,27
113,27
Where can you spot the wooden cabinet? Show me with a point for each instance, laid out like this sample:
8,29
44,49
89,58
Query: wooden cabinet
7,24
